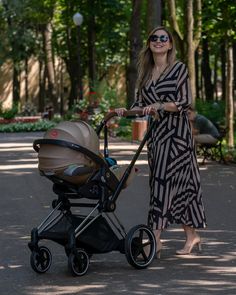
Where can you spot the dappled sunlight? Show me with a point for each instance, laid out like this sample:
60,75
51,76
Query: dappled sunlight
151,286
221,270
127,153
60,290
138,162
22,160
126,147
14,266
213,271
197,256
203,168
25,238
18,166
227,257
16,173
214,243
16,149
203,282
15,144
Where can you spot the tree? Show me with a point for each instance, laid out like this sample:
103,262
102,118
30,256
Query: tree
13,30
91,46
190,36
49,62
229,109
154,14
218,25
206,69
135,47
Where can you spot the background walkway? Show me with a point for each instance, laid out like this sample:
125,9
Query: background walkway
25,200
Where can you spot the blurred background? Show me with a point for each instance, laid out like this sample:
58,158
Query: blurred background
65,60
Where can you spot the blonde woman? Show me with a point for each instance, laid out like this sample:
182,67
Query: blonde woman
175,190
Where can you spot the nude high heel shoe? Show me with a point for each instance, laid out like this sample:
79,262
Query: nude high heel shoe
189,247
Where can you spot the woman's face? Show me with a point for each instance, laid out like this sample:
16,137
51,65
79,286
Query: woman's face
159,42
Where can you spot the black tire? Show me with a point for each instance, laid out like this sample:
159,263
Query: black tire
140,246
78,262
41,260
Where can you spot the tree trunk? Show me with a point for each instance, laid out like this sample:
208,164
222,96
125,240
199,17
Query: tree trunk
91,46
178,36
206,70
15,61
73,73
192,40
16,84
229,98
197,74
47,37
223,71
72,68
135,47
42,81
215,77
234,62
26,81
154,13
190,48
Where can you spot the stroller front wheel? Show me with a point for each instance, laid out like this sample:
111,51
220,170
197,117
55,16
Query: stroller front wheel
140,246
78,262
41,260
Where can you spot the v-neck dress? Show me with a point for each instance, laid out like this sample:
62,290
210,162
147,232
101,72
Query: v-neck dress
175,190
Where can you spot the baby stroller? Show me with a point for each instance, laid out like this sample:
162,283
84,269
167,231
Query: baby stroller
83,179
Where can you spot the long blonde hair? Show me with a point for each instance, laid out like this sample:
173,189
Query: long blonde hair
146,62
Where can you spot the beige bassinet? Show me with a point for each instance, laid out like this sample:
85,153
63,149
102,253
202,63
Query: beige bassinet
60,161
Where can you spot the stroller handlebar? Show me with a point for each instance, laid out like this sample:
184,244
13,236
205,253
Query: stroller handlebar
130,113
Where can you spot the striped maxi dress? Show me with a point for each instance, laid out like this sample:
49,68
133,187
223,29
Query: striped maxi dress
175,190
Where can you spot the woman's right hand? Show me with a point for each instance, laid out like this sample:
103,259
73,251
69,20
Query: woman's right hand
120,111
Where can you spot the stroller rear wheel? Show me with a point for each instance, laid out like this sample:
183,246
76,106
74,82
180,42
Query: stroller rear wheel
140,246
41,260
78,262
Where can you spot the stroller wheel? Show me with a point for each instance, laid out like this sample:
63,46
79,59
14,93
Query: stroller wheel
140,246
41,260
78,262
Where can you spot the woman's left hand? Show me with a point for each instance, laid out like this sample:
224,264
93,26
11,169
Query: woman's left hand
151,108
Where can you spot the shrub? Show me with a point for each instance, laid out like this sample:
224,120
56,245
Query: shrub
8,113
214,111
42,125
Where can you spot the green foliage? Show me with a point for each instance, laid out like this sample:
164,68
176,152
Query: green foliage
214,111
28,109
27,127
124,129
219,21
8,113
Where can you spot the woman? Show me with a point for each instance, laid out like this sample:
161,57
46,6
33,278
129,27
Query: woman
163,86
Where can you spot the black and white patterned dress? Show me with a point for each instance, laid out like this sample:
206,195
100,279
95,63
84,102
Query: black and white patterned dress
175,189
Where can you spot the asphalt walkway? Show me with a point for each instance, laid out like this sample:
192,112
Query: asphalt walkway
25,201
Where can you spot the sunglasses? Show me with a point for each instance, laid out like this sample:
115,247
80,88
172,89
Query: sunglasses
162,38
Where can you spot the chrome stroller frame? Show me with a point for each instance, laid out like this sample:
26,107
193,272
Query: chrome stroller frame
98,232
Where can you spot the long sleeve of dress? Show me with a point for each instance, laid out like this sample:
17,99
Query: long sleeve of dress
183,90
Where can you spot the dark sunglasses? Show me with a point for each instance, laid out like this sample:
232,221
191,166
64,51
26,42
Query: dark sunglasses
162,38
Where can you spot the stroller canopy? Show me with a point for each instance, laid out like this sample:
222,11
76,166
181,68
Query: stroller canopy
54,158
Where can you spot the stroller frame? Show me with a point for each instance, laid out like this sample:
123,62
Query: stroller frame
139,245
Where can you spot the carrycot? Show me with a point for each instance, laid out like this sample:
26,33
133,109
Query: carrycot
59,161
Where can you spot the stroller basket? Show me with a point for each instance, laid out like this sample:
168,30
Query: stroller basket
97,238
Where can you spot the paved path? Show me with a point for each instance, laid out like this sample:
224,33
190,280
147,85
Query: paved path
25,200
